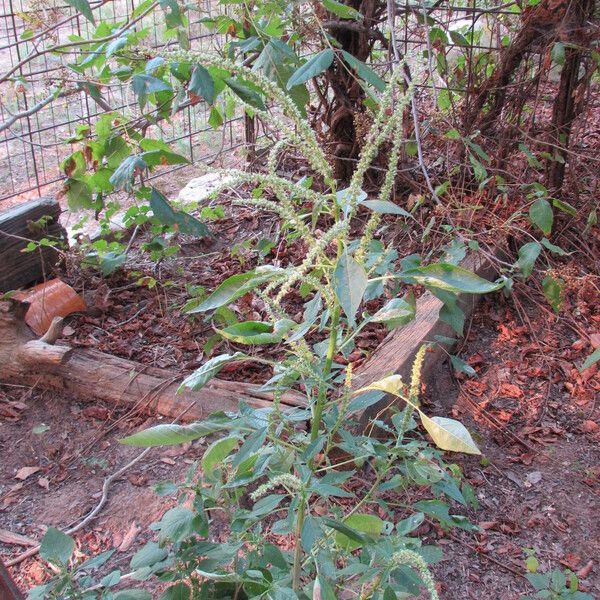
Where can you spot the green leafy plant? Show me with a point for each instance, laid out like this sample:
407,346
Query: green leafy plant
554,585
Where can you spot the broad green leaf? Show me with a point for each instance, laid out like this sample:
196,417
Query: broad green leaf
148,555
592,359
558,53
143,85
314,66
343,11
541,215
176,525
364,72
371,525
552,291
167,435
182,221
397,312
83,7
311,532
132,595
350,282
451,278
179,591
389,385
385,207
236,286
199,378
257,332
56,547
449,434
528,254
123,176
79,194
216,453
202,84
155,158
246,93
458,38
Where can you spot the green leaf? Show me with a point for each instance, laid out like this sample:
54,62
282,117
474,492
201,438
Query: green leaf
167,435
148,555
79,194
123,176
179,591
370,525
451,278
217,452
143,85
528,254
385,207
343,11
56,547
236,286
397,312
132,595
558,53
553,248
350,282
202,84
176,525
314,66
592,359
311,532
155,158
449,434
257,332
246,93
83,7
182,221
461,366
564,206
199,378
541,215
364,71
458,38
552,291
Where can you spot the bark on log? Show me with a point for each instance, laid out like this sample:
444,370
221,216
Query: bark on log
396,353
17,227
93,375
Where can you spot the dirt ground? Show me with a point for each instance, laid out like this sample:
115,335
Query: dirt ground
538,485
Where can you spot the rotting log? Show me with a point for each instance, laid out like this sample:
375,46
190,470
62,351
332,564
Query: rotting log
20,224
8,588
93,375
396,353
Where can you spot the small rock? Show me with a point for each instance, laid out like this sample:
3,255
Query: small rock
534,477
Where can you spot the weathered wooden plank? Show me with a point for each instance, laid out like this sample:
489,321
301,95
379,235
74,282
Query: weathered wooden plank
93,375
396,353
17,227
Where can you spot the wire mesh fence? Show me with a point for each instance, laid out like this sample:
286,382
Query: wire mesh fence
32,148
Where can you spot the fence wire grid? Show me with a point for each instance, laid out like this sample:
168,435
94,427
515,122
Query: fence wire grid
32,149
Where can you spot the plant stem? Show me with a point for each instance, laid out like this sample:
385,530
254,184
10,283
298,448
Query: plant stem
298,545
322,397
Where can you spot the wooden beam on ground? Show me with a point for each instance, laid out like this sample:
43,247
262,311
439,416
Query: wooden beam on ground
396,353
8,588
18,225
93,375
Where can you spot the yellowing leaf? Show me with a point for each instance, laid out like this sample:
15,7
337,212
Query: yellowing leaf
389,385
449,434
